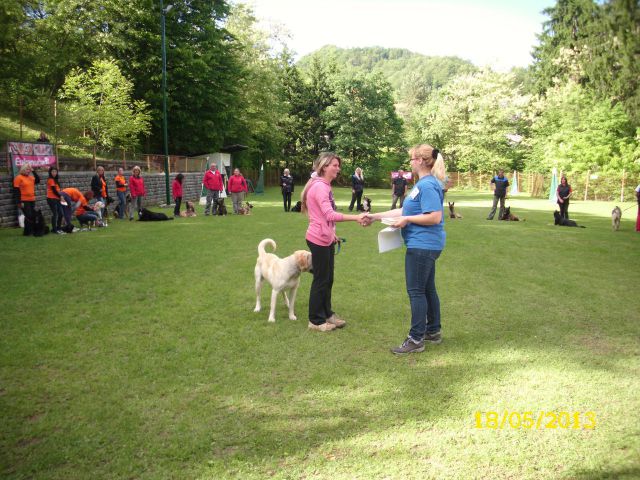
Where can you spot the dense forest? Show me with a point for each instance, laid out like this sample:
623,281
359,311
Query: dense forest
98,66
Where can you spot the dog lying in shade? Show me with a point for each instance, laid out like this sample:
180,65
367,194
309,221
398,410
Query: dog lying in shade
282,273
564,222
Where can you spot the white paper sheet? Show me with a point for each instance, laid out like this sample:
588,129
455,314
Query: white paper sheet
389,238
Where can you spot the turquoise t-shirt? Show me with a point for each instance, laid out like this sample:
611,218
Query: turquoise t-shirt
426,196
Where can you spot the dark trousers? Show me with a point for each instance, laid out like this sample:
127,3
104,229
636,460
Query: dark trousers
564,208
356,196
286,197
494,206
322,259
66,210
176,210
56,213
29,211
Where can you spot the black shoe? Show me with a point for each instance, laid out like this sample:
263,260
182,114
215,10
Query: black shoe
409,346
435,337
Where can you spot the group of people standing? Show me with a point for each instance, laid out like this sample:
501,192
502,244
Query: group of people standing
213,182
500,183
64,203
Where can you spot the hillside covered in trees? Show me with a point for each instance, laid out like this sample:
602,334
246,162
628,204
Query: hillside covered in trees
92,72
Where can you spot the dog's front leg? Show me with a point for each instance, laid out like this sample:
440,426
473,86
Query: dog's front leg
272,312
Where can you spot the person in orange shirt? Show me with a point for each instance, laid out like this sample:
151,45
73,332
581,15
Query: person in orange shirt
79,202
24,190
121,190
53,200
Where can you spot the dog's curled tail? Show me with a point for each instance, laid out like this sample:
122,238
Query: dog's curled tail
265,242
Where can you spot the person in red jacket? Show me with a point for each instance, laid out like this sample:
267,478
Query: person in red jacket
237,186
176,189
137,191
212,181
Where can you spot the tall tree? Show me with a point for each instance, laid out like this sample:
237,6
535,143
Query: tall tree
612,55
99,101
363,121
479,121
557,57
575,132
316,133
260,107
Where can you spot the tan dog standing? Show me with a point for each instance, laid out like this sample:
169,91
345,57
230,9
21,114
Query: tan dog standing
282,273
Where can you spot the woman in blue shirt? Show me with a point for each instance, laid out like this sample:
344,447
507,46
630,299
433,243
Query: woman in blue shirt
422,222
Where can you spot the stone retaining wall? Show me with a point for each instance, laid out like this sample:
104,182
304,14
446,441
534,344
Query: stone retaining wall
154,184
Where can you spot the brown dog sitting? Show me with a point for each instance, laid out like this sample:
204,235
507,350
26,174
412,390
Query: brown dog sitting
452,212
245,209
190,211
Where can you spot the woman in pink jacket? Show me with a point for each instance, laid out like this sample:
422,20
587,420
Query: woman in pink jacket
317,201
136,188
237,186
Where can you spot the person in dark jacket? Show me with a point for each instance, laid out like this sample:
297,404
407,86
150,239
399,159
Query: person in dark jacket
357,187
100,190
499,183
563,193
286,184
398,189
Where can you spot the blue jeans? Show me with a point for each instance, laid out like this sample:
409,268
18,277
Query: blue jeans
420,275
56,213
87,217
122,200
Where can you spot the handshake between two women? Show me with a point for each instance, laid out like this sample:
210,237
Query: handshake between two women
392,218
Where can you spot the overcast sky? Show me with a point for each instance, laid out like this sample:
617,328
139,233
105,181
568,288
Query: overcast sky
498,33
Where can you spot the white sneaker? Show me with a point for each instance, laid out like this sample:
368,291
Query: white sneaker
323,327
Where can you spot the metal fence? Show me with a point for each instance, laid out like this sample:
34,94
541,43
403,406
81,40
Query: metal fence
586,185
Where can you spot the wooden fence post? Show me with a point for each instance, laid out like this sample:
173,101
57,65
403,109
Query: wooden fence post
586,185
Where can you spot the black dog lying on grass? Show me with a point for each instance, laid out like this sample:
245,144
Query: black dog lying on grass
564,222
149,216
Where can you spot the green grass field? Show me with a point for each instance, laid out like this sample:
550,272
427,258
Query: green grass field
133,352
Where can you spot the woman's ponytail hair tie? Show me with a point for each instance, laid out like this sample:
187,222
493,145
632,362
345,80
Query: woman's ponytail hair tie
434,153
